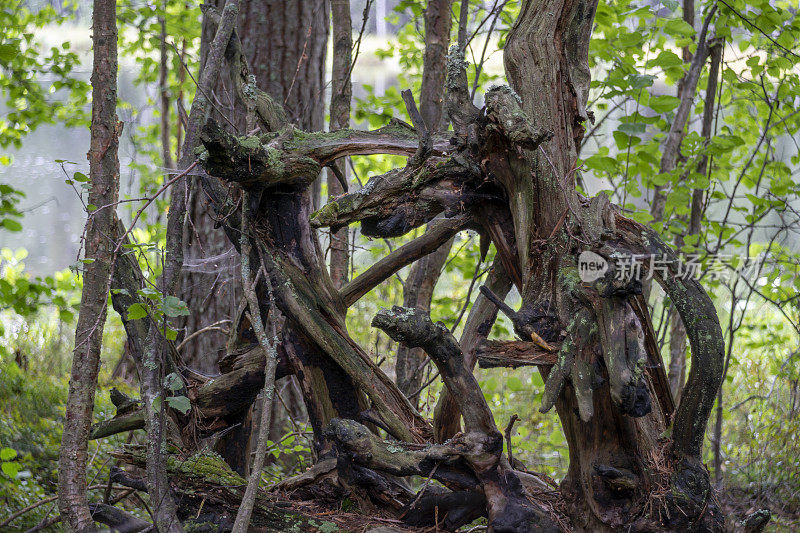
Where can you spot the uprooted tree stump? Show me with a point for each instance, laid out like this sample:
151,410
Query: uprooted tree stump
506,171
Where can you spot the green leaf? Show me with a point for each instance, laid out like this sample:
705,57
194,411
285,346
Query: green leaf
11,225
136,311
7,454
80,177
10,469
678,28
175,307
602,163
9,50
632,129
180,403
663,103
641,81
173,382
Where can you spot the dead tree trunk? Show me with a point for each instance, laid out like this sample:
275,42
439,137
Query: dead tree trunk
99,246
285,44
508,171
283,47
612,411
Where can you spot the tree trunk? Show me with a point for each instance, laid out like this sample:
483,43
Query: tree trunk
341,94
422,278
677,343
613,418
104,192
285,44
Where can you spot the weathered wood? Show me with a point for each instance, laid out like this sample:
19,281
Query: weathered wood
446,416
296,298
219,398
414,328
705,337
512,170
507,505
392,204
117,519
513,354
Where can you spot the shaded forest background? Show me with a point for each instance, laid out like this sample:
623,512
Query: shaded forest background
729,201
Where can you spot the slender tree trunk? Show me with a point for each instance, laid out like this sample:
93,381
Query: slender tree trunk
163,89
341,94
677,333
677,343
424,274
152,366
104,192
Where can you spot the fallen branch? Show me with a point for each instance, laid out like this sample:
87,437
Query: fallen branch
50,499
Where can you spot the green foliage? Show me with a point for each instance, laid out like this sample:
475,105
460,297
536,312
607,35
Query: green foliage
37,86
23,66
158,308
760,421
31,421
140,41
23,296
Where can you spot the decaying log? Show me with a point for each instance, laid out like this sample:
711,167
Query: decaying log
117,519
392,204
226,395
449,463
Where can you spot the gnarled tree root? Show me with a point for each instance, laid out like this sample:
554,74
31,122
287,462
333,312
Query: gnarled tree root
481,447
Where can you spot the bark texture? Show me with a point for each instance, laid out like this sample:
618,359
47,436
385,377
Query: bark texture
603,408
99,247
